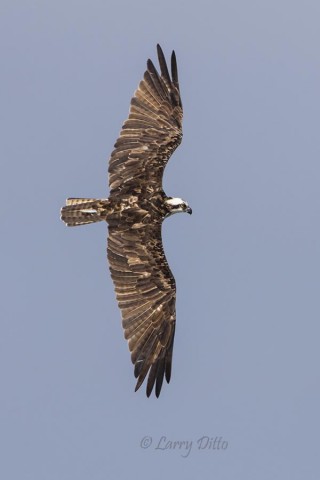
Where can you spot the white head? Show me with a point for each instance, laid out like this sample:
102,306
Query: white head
176,205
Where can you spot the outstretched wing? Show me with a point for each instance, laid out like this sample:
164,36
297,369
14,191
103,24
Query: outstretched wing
151,133
146,294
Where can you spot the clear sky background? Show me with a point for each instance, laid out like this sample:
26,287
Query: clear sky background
247,262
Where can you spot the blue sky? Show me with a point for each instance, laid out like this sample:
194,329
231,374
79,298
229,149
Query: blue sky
246,263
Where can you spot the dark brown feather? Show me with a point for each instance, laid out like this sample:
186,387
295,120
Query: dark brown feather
151,133
146,293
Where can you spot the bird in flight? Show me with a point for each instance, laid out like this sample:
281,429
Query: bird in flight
135,209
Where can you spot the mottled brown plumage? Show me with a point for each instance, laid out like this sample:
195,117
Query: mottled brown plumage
144,285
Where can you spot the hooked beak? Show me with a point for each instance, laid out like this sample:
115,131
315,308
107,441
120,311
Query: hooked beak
189,210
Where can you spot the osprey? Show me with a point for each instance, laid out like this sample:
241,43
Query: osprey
144,285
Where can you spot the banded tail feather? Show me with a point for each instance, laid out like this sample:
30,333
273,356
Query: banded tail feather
81,211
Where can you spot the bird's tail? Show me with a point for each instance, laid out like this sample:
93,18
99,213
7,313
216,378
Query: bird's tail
80,211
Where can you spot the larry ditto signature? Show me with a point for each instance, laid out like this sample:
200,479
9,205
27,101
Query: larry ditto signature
185,446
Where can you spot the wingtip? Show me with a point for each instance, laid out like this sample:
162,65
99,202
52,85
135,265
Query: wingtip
174,69
148,390
136,388
160,53
163,66
150,64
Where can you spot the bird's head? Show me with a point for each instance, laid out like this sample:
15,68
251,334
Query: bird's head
176,205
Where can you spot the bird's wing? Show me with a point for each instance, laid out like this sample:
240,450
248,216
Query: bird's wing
151,133
146,294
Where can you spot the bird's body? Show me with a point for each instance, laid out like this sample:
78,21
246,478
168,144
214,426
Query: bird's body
137,205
